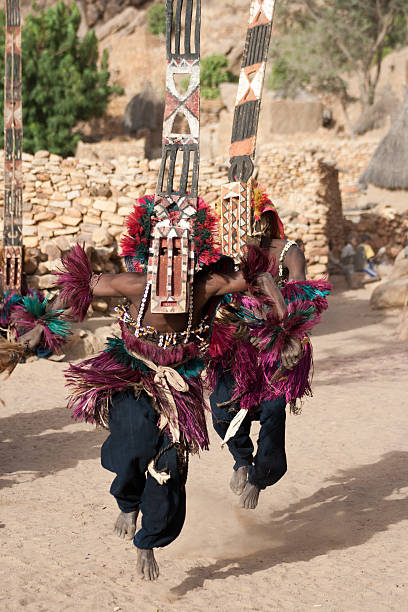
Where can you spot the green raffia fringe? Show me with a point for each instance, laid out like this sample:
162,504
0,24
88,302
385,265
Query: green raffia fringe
51,318
117,348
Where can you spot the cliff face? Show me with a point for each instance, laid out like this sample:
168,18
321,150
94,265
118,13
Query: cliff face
136,55
94,12
103,10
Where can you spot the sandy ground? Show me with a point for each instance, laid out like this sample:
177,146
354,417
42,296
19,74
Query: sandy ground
330,535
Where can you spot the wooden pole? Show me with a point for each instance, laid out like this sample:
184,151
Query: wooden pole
171,275
236,215
13,148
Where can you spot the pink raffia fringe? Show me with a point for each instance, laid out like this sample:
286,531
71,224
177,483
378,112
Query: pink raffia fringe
256,261
24,322
94,382
74,279
258,373
31,313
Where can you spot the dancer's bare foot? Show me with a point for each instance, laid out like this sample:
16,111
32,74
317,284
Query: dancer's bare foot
249,497
146,566
238,479
125,526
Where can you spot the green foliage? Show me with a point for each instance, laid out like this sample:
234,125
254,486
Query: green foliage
279,78
213,72
156,19
61,81
320,42
300,63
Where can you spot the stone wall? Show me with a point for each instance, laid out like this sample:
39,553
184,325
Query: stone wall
306,192
75,200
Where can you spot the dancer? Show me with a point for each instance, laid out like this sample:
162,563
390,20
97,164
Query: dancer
146,385
30,325
250,376
27,325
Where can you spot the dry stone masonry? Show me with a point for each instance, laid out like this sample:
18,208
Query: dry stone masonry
77,200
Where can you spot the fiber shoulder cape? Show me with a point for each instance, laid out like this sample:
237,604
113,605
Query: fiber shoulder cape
257,370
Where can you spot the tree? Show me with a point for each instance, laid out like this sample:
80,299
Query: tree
61,81
213,72
322,41
156,19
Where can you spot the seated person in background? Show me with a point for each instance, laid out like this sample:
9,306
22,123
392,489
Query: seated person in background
334,265
368,249
347,258
363,260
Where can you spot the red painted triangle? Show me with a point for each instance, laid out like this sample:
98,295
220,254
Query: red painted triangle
171,104
260,19
193,103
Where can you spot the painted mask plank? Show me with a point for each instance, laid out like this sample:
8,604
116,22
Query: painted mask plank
236,213
177,184
13,147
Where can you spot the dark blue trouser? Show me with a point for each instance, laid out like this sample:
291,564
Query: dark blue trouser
269,463
133,441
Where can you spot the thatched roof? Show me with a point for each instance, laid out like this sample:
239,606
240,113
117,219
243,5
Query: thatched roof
388,167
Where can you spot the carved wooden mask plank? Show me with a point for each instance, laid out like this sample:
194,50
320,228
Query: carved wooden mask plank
236,222
177,184
235,218
171,264
13,147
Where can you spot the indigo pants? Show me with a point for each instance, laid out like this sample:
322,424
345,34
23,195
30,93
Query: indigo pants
133,442
269,463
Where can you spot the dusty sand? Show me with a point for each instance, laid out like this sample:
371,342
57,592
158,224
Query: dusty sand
329,536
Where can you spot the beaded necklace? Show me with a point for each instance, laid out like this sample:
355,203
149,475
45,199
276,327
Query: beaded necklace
281,279
165,339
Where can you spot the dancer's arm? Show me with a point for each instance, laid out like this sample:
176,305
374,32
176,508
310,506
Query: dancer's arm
269,288
32,338
78,285
125,284
296,264
234,282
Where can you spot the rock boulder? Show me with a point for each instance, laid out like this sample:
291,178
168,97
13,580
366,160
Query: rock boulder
390,294
399,269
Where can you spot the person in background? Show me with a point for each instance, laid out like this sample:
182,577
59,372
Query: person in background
364,260
334,265
347,258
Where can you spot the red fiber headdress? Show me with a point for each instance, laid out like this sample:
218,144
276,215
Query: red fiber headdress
141,221
261,203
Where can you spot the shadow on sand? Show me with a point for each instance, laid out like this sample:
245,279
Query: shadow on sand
369,364
35,443
347,311
358,503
